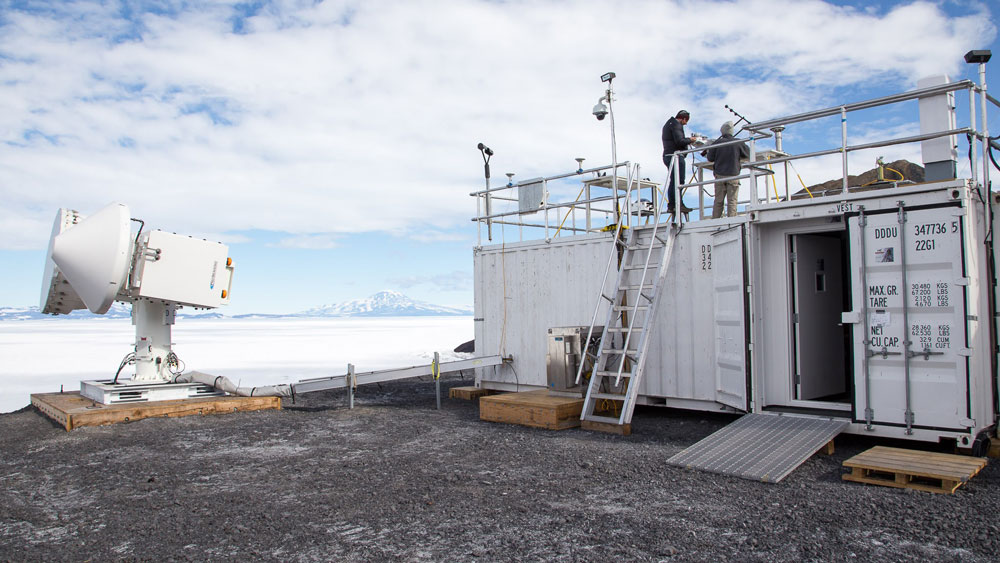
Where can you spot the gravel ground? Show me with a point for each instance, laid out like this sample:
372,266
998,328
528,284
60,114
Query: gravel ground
394,479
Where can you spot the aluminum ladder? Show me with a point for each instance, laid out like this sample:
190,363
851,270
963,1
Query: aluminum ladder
620,359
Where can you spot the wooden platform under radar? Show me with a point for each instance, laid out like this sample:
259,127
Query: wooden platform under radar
70,410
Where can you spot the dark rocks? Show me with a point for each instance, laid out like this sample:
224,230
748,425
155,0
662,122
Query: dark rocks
394,479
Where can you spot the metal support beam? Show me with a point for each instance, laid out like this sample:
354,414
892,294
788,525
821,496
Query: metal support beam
365,378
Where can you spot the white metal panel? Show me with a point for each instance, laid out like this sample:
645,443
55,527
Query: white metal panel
681,359
184,270
729,318
935,303
524,289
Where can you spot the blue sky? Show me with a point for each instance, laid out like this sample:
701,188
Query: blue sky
332,144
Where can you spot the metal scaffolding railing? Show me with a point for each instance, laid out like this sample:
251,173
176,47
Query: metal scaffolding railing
609,203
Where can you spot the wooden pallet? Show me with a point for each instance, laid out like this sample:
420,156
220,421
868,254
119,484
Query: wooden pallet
71,410
532,408
912,469
469,393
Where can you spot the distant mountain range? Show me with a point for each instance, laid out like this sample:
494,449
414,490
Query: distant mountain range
382,304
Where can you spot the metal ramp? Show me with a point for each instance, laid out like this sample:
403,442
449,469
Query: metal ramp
761,447
618,365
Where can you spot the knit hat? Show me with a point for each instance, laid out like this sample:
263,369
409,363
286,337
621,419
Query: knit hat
727,128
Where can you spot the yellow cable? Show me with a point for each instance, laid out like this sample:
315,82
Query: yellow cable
578,196
774,185
901,177
800,179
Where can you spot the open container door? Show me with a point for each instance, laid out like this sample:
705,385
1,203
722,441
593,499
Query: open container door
729,285
907,267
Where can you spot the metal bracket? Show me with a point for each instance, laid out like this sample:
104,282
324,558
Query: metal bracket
926,353
884,352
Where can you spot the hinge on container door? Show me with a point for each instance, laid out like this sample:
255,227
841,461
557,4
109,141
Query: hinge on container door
798,378
792,257
795,318
961,281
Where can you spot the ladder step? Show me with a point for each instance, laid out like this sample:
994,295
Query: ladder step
631,287
603,373
634,247
624,329
631,307
630,267
630,354
604,419
609,396
608,298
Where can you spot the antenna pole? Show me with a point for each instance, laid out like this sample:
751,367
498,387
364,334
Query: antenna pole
614,149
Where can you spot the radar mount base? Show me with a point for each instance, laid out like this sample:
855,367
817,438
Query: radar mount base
107,392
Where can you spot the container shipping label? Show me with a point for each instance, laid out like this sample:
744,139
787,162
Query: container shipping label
928,246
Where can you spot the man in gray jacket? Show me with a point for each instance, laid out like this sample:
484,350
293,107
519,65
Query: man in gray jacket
726,162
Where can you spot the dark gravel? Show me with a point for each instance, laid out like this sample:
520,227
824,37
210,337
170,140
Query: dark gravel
395,479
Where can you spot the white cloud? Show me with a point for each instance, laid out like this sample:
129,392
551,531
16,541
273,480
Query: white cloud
458,280
358,116
315,242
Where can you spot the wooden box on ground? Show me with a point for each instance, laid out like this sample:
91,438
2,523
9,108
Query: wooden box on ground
72,410
532,408
913,469
469,393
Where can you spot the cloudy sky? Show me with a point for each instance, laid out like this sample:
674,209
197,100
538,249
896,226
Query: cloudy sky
332,144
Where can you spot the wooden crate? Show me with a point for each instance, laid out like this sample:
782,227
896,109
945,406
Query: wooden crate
912,469
532,408
469,393
607,428
71,410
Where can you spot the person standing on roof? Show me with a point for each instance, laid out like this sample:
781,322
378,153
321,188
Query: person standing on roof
726,162
674,140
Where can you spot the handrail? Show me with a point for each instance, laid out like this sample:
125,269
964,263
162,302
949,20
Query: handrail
866,104
598,208
642,282
533,181
604,281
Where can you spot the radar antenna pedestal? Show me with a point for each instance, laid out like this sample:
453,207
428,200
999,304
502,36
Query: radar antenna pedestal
97,260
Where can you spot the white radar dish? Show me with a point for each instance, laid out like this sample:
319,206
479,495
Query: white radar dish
95,256
58,296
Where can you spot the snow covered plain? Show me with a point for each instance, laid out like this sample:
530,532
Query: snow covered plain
40,356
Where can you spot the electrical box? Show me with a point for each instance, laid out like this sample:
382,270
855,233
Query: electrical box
182,269
530,196
565,352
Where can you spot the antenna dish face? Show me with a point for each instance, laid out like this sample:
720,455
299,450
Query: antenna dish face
95,256
58,298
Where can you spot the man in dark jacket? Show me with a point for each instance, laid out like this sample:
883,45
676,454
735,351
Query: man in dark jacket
726,162
674,140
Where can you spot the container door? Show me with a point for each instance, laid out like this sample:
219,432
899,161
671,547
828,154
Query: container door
927,247
818,302
730,318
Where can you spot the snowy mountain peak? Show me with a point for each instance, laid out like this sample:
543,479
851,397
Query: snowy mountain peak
383,304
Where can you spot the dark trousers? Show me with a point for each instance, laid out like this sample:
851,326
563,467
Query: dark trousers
670,182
